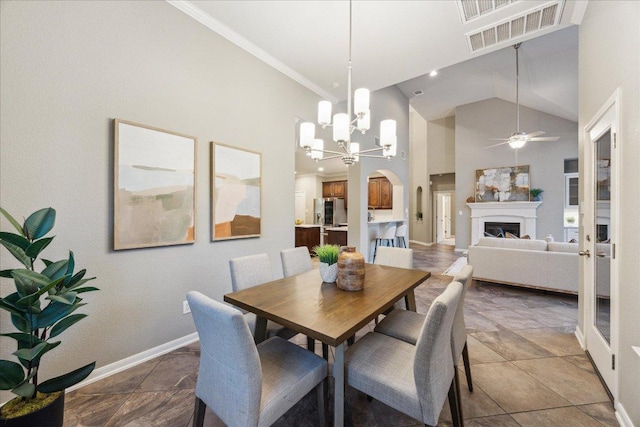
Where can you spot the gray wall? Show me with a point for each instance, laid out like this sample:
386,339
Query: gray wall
419,178
68,69
610,58
476,123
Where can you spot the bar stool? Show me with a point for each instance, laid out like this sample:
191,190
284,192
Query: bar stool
401,234
388,238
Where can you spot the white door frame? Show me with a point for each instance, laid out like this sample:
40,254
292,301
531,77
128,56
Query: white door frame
436,215
602,354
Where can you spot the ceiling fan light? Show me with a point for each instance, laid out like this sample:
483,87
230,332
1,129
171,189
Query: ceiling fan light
517,143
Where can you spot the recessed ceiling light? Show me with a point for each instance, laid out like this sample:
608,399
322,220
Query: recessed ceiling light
433,73
320,169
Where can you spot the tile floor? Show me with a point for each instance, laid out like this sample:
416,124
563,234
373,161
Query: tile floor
527,369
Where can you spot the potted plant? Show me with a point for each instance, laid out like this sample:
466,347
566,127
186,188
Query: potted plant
419,216
571,219
328,256
42,307
536,194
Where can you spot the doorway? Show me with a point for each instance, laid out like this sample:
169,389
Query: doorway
442,217
300,207
600,265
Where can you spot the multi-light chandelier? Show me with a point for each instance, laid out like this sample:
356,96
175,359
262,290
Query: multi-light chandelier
344,125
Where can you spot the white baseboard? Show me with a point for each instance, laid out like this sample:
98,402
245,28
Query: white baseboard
136,359
463,250
623,418
580,336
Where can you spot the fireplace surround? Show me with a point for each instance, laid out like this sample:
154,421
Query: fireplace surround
523,213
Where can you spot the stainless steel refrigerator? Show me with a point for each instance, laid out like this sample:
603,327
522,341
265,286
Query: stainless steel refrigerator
329,212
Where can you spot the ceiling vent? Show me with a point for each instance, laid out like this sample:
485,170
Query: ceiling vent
418,92
472,9
540,18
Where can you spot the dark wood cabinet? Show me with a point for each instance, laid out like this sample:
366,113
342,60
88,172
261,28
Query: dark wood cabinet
337,237
380,193
307,236
334,189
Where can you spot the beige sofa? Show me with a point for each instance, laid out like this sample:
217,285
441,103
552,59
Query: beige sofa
531,263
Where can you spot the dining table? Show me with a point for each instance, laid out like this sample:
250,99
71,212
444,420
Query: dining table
323,311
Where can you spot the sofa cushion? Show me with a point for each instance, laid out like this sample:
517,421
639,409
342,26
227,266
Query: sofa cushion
563,247
525,244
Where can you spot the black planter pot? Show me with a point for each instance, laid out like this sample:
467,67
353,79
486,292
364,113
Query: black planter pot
51,415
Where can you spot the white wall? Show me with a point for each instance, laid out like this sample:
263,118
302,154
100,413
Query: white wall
441,135
419,177
68,69
476,123
312,187
610,59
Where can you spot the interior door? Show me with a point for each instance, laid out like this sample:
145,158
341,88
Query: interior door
300,206
601,230
439,218
446,214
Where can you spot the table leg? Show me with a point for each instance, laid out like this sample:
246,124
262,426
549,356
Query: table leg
260,333
410,299
338,386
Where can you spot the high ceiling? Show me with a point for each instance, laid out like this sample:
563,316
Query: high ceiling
399,42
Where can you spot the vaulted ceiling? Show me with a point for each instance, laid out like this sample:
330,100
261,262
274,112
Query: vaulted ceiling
399,42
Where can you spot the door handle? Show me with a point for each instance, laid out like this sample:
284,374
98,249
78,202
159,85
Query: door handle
601,254
585,253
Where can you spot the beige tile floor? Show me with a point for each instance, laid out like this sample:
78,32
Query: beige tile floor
527,369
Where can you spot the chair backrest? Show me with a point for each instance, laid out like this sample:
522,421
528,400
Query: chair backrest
389,233
394,257
249,271
459,333
295,261
401,231
230,376
433,368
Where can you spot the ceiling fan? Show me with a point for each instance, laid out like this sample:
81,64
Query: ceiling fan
519,139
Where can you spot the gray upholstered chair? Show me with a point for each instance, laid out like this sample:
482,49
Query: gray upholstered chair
395,257
297,261
413,379
253,270
245,384
405,325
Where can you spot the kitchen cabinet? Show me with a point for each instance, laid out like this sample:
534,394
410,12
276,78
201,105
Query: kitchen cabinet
337,237
380,193
307,236
334,189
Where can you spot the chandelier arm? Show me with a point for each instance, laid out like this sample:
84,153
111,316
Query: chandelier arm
373,156
337,153
372,150
338,156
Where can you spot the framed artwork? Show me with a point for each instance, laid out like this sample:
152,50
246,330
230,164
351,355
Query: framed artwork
236,192
154,187
505,184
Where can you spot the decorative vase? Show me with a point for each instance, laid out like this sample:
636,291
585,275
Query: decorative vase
350,269
51,415
329,273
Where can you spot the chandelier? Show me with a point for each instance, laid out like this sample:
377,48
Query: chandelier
344,124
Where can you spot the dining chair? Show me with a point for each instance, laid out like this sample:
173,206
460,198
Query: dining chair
413,379
246,384
253,270
401,234
405,325
395,257
387,237
297,261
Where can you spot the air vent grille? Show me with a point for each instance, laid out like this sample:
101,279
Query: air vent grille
547,15
472,9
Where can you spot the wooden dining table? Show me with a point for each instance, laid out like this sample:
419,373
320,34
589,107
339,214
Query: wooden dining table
326,313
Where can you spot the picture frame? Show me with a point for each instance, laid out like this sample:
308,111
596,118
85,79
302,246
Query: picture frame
154,186
502,184
236,192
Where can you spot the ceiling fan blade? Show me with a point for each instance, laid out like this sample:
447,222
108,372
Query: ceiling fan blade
498,139
497,145
544,138
534,134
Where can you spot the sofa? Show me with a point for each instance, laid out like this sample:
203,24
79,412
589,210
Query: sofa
551,266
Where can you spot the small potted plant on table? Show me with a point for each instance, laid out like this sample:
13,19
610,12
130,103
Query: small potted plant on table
41,308
328,256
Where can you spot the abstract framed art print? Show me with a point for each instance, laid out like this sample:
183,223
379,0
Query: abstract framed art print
154,187
236,188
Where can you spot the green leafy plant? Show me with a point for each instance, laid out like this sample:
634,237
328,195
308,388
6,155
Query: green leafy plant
571,219
535,192
419,216
327,253
41,308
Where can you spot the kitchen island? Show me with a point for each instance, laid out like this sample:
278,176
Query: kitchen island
336,236
307,235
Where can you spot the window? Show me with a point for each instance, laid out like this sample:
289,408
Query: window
571,190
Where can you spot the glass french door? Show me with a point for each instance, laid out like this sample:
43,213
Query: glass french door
601,231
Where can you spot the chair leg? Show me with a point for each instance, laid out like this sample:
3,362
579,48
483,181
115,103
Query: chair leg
351,340
323,401
454,405
456,378
311,344
325,351
198,412
467,366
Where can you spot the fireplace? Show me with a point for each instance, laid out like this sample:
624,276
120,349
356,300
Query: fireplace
499,229
521,213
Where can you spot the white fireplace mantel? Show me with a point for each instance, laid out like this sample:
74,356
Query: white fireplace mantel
524,213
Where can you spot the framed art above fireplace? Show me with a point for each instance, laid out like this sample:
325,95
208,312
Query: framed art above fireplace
502,184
